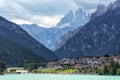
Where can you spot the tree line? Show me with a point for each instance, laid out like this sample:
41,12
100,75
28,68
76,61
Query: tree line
2,67
112,69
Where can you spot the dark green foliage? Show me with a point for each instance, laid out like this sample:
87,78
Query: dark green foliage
22,41
100,71
2,66
118,71
112,69
30,66
106,71
15,55
17,46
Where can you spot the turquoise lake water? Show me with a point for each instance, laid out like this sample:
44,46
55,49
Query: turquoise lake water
56,77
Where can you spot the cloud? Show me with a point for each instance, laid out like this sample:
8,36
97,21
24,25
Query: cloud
43,12
20,21
92,4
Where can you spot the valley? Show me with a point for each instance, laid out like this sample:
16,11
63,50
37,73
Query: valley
83,44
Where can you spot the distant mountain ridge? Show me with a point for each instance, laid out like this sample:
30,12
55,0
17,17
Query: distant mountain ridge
46,36
67,19
99,36
75,20
50,36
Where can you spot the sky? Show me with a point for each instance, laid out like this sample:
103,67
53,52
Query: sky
45,13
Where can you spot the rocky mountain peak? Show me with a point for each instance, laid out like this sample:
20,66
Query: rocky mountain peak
113,6
50,36
79,14
98,37
118,1
79,11
67,18
76,19
101,9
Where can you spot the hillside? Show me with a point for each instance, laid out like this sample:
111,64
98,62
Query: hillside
99,36
15,55
15,33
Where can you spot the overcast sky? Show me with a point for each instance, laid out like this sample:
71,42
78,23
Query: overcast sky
44,12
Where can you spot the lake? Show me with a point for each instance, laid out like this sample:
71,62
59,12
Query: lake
56,77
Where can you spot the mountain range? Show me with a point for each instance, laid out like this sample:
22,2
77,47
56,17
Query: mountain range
17,46
98,37
50,36
76,35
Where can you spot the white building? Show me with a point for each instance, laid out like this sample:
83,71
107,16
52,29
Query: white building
22,71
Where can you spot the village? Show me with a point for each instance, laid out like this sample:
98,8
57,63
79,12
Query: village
71,66
92,64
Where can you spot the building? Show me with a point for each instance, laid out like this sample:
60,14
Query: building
21,71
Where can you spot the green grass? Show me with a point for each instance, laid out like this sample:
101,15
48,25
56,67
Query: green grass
53,70
50,70
70,71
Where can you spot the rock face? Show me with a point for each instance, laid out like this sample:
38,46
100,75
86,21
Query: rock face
101,9
100,36
46,36
50,36
64,38
17,45
67,19
114,5
75,20
80,18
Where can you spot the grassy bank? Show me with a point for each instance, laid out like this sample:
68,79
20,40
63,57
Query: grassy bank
53,70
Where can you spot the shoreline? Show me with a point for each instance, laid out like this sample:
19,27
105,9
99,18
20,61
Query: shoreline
60,74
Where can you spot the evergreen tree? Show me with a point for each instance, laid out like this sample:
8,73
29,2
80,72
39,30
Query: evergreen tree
30,66
118,71
2,67
106,71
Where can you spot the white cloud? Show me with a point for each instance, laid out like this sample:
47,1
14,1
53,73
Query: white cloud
92,4
50,21
43,12
44,21
2,2
20,21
